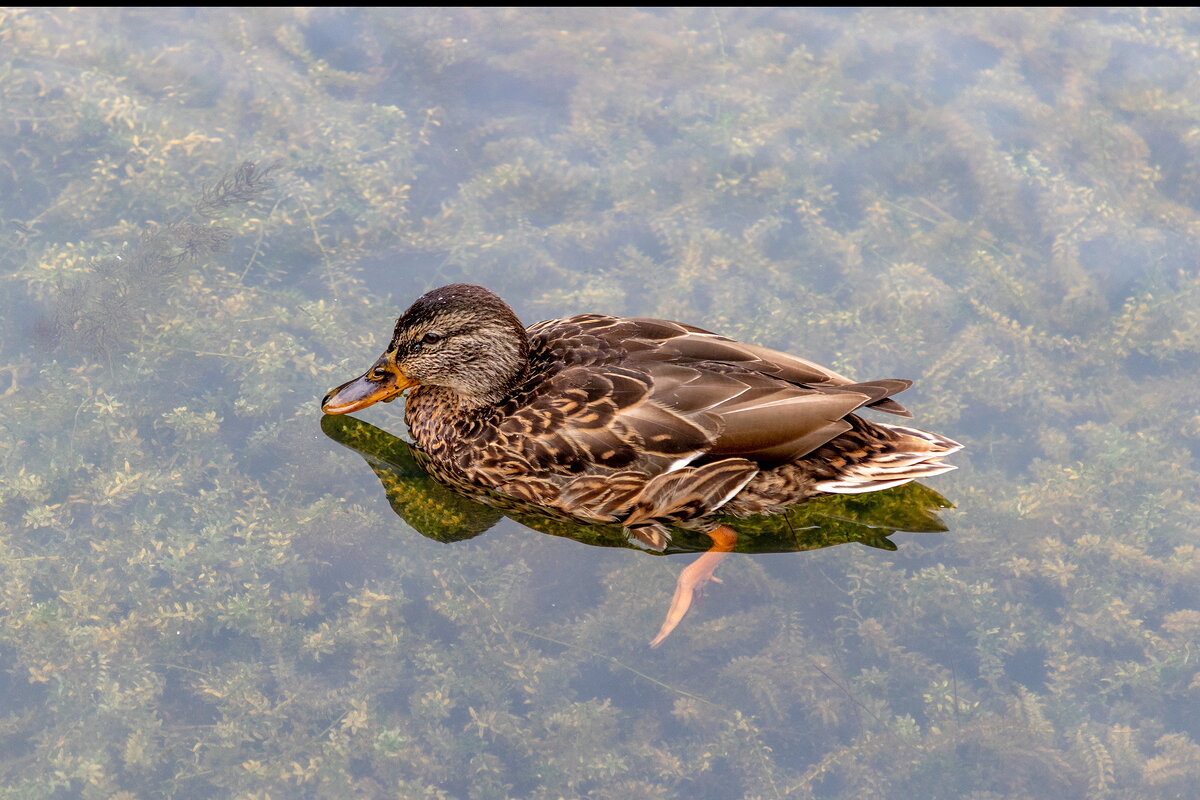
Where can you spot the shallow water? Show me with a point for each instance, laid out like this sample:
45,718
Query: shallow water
205,595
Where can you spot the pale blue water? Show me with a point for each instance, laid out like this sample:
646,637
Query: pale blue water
203,595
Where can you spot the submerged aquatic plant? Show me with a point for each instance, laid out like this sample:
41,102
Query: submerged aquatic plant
1001,202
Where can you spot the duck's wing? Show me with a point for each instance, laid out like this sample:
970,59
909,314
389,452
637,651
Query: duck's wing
591,441
595,338
687,343
652,397
753,415
646,422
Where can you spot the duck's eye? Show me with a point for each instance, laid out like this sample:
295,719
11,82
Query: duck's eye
431,338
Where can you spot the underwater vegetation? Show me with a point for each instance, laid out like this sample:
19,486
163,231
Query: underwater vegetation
203,596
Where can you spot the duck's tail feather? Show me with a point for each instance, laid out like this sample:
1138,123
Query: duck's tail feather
906,455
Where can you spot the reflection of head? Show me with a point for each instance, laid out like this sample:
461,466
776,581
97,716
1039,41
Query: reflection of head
426,505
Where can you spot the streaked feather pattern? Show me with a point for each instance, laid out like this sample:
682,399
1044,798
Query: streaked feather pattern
642,422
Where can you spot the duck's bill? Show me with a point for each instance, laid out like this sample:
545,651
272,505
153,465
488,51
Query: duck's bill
380,383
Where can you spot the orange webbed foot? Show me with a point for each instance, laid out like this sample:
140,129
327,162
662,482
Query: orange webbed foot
693,577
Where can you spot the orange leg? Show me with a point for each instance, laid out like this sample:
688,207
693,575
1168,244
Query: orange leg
694,576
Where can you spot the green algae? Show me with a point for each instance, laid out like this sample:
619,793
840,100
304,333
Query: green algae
201,596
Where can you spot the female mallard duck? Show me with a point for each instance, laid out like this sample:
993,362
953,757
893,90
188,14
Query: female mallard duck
641,422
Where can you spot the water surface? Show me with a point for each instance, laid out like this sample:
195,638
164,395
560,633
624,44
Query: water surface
204,595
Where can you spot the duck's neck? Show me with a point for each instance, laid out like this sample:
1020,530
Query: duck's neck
440,422
496,369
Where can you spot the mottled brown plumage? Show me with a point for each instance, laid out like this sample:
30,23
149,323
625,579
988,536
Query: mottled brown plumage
639,422
643,423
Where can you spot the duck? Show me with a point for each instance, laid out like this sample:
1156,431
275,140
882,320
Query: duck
644,423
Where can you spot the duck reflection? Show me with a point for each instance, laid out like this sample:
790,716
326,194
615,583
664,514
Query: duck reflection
440,513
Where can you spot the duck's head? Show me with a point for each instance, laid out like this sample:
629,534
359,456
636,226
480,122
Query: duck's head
461,337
